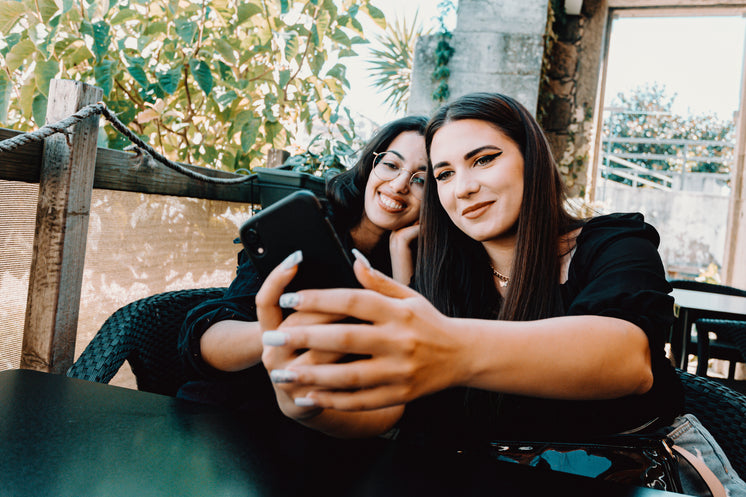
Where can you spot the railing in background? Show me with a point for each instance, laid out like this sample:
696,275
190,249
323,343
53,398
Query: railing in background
617,166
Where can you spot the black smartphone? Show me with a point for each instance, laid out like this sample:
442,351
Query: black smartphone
298,222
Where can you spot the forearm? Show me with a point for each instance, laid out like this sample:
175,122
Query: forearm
572,357
355,424
232,345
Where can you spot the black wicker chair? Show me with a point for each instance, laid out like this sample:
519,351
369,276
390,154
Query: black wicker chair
722,411
145,333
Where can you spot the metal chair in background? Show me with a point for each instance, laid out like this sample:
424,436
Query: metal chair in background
719,348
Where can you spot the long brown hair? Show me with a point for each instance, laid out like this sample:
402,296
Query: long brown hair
453,270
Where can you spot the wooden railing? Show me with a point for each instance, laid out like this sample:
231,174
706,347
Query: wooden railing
67,168
616,165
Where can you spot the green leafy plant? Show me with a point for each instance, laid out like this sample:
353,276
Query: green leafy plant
443,53
392,63
324,157
214,81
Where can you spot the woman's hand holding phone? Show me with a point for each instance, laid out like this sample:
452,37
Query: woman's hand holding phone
276,357
412,348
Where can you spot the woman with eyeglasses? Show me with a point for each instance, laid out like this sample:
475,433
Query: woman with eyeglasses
374,207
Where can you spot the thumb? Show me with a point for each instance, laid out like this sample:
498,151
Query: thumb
377,281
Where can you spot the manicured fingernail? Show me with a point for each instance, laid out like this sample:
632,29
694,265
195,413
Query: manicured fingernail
274,338
292,260
283,376
289,300
359,256
305,402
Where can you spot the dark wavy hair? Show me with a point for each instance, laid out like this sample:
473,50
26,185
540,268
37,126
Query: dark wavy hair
345,191
453,271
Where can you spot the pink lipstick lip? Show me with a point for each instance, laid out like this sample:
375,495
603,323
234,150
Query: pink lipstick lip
475,210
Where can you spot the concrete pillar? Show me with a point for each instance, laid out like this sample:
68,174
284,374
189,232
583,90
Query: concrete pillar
499,47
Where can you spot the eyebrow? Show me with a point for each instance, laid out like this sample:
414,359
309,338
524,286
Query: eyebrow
395,153
469,155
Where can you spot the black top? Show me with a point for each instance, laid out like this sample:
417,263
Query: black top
237,303
615,271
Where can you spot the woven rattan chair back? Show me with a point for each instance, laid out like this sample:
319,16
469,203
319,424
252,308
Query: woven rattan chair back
145,334
722,411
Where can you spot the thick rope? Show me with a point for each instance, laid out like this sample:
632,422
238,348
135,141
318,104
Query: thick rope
100,108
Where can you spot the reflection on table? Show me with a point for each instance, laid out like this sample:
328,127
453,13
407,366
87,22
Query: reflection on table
63,436
691,305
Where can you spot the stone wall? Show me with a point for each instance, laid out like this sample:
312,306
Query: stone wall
568,96
499,45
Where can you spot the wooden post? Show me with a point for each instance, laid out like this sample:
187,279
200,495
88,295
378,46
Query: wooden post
65,184
277,157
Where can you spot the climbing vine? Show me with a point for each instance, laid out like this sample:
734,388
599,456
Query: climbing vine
443,53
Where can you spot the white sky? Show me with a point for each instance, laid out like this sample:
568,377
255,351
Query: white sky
698,58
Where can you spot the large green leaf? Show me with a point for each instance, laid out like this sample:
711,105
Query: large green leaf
249,132
186,30
291,46
44,71
169,80
10,12
39,109
284,78
123,15
202,75
226,50
10,42
139,75
339,72
80,54
101,39
19,53
376,14
247,10
47,9
104,75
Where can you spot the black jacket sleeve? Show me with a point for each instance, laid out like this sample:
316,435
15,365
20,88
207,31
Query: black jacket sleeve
237,303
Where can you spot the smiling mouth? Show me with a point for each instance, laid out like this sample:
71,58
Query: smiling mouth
389,203
476,210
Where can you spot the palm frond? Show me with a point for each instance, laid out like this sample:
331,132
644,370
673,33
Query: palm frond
391,64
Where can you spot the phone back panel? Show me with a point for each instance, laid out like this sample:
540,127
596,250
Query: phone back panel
295,223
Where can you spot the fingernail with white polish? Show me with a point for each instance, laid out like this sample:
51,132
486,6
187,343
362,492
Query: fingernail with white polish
292,260
289,300
274,338
305,402
359,256
283,376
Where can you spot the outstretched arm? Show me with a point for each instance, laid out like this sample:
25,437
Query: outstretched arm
415,350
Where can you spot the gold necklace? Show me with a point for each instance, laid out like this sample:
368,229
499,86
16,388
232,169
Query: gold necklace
504,280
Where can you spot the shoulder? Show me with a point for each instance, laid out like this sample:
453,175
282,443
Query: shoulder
620,243
603,230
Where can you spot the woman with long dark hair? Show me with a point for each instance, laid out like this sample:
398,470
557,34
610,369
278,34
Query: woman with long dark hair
374,207
530,324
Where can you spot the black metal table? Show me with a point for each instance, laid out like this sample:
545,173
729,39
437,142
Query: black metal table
67,437
691,305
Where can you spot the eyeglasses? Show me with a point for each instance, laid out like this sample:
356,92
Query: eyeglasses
388,166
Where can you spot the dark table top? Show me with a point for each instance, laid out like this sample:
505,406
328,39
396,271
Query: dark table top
68,437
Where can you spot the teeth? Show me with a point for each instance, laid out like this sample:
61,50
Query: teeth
390,203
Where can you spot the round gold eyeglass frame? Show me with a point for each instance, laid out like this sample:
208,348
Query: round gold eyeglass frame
392,171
